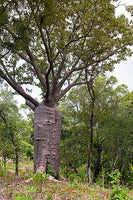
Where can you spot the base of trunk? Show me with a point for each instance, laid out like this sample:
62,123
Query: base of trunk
89,177
47,126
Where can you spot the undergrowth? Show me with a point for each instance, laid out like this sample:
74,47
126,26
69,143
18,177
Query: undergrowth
29,186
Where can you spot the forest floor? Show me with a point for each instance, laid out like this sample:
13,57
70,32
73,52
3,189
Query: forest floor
21,188
30,187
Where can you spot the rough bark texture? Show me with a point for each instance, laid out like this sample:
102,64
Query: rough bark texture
47,126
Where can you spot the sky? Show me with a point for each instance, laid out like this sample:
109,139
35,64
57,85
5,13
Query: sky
124,71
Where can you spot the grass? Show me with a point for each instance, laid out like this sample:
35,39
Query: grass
18,188
36,187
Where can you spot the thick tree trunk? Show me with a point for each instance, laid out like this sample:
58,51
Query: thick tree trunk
47,126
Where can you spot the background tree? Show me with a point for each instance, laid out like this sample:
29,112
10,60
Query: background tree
110,131
119,152
55,42
8,113
14,132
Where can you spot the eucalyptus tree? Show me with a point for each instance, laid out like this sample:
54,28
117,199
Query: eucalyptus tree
55,42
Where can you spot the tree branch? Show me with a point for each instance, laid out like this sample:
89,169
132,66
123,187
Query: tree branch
68,88
18,89
2,116
72,40
70,85
90,86
23,57
67,74
2,56
31,61
49,57
38,73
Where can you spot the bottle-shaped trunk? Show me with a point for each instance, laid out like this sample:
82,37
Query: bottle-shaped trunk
47,131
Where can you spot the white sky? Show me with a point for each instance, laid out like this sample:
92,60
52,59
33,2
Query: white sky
124,71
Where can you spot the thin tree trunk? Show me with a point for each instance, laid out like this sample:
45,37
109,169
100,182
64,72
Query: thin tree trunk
90,87
91,145
90,155
16,163
4,157
98,165
16,152
47,131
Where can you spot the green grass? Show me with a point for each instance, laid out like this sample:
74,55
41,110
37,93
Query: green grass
28,186
19,188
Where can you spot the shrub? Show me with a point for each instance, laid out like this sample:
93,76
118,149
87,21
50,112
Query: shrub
40,178
115,177
119,193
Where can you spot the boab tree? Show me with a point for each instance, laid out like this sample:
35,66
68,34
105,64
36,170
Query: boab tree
56,40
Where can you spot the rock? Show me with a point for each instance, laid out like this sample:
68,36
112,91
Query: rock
51,178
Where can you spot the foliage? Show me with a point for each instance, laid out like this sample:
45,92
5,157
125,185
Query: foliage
14,133
115,178
40,178
2,170
25,187
49,44
53,45
10,127
50,171
28,149
119,193
113,119
28,195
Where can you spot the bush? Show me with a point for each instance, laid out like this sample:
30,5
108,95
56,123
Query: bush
115,177
51,171
40,178
30,151
119,193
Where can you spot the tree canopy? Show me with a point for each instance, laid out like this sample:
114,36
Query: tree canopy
15,133
50,43
112,131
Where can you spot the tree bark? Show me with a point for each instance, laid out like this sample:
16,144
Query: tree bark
16,162
89,160
91,145
98,164
4,161
47,132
